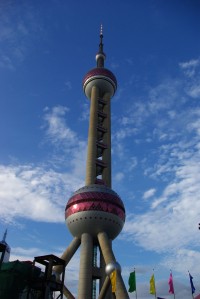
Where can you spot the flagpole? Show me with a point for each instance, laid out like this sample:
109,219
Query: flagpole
173,283
135,286
191,285
152,289
155,284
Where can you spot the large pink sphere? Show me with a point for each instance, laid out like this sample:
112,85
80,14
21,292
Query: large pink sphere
93,209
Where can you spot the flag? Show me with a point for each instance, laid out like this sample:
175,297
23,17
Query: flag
171,285
152,285
192,285
113,278
132,282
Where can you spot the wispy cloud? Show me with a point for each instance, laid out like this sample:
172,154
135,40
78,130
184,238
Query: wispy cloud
85,112
34,193
119,176
149,193
170,224
16,36
189,67
190,258
191,70
70,149
38,192
56,129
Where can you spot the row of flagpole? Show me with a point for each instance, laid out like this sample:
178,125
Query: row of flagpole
152,288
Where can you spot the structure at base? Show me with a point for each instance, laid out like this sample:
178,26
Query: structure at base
4,250
95,214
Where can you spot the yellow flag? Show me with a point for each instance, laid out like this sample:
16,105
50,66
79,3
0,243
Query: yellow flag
152,285
113,278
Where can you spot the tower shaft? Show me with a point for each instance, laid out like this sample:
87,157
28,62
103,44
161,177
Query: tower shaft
98,167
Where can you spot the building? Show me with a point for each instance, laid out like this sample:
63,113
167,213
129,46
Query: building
95,213
4,250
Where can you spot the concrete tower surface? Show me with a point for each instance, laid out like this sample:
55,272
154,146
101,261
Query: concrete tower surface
95,214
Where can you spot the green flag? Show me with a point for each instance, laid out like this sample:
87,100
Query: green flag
132,282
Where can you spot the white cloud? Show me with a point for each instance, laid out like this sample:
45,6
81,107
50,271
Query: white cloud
56,128
85,112
125,133
194,90
39,192
162,228
34,193
191,70
170,224
25,254
70,149
17,36
189,67
149,193
190,258
132,163
119,176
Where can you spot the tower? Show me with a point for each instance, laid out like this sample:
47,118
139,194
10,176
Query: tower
4,249
95,214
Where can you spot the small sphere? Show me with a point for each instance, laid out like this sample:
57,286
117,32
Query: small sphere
111,267
93,209
100,55
104,79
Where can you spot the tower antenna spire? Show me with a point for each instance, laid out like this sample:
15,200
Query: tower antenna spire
4,236
101,33
100,57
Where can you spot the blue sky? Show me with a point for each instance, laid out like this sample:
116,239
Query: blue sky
153,48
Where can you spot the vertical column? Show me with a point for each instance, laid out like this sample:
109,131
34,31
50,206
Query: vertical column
107,140
109,257
105,285
68,253
85,271
92,137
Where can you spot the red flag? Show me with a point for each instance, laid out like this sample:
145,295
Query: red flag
171,286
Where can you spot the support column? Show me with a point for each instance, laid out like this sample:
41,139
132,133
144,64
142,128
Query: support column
107,140
68,253
106,248
92,138
67,293
105,288
85,271
109,257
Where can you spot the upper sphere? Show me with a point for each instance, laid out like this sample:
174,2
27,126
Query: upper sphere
102,78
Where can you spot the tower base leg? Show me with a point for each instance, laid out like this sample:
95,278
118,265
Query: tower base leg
85,271
104,242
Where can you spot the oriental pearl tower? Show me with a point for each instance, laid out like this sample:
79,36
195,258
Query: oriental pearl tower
95,214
